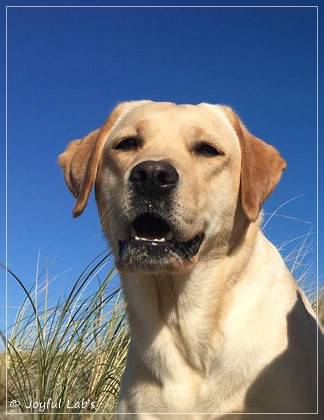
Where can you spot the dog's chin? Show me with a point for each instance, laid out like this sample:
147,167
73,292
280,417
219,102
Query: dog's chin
151,247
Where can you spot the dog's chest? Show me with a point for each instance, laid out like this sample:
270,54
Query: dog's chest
194,378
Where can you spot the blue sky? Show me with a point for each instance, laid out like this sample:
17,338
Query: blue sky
69,67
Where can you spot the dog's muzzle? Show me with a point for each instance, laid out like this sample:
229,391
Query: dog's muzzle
152,241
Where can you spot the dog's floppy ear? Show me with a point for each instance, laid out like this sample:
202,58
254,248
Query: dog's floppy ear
261,167
81,159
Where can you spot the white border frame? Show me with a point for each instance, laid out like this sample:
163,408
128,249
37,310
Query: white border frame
6,187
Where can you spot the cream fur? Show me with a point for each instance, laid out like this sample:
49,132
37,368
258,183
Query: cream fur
229,331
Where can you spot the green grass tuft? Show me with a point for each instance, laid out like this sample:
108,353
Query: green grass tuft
72,353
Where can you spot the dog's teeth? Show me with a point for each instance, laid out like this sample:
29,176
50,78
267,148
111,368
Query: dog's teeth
133,233
169,236
137,238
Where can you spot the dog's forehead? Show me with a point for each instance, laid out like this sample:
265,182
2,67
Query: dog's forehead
170,116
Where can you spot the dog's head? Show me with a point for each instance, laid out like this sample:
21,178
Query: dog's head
173,183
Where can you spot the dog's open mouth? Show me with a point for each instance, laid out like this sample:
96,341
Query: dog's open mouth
154,235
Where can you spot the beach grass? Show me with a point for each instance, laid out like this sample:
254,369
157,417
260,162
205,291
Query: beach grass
70,356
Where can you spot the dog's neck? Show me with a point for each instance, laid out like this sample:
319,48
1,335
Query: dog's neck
188,308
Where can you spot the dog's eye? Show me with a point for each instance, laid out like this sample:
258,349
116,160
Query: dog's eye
206,149
130,143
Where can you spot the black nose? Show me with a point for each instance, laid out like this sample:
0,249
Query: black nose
154,178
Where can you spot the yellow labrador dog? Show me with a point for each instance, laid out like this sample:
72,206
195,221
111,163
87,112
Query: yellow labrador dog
217,322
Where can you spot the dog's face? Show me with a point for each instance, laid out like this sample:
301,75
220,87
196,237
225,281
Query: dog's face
168,179
174,183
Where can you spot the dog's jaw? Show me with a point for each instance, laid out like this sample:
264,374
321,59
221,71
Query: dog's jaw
156,255
152,245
